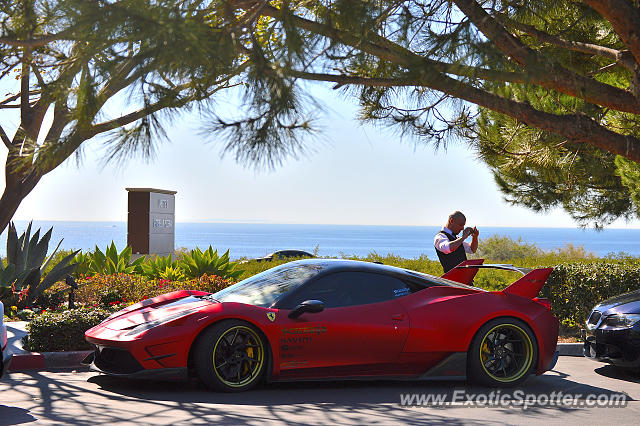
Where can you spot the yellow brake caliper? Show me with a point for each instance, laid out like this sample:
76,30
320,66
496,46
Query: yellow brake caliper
250,355
484,352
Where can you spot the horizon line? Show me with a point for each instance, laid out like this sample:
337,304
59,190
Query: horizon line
242,222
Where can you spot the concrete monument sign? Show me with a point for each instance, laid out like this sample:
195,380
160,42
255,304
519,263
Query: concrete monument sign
151,221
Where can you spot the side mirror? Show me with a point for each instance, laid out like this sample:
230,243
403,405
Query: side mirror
310,306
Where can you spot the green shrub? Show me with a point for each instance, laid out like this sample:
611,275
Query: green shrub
57,257
172,273
25,314
104,290
575,288
83,262
188,264
50,300
197,263
112,262
569,251
28,271
500,249
62,331
161,267
109,297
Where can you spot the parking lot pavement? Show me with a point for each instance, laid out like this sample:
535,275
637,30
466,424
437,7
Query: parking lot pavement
16,330
81,397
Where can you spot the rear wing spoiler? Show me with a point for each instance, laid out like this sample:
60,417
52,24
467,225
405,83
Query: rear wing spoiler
464,272
528,286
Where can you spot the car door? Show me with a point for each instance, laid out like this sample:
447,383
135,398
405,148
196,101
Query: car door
360,332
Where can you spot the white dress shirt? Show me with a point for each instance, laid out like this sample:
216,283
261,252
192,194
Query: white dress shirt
443,244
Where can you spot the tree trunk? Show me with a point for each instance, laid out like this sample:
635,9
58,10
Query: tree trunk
13,196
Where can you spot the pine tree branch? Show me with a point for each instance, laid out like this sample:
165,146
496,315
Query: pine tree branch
409,80
37,42
540,69
621,57
36,72
150,109
625,20
547,72
128,118
10,99
62,151
25,109
119,80
61,118
577,127
5,138
494,31
40,107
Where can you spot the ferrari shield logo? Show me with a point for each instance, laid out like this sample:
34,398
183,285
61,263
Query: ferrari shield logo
271,316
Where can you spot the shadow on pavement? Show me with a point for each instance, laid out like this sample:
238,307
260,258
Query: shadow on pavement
617,373
77,398
71,400
14,416
346,393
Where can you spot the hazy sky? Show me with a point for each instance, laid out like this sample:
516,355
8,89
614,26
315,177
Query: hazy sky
357,175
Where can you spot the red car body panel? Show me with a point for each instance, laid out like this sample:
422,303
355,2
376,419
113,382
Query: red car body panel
338,341
402,337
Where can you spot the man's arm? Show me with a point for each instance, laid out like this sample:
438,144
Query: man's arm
474,240
446,246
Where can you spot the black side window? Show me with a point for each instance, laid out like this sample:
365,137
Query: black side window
350,288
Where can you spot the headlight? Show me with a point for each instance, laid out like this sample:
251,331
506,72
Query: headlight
621,320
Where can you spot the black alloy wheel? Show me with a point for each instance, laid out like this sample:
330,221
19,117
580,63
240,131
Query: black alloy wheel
502,353
230,356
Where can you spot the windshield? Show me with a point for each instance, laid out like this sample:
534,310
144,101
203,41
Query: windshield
266,287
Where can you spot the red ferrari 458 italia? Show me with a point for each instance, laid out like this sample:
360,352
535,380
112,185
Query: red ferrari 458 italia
330,319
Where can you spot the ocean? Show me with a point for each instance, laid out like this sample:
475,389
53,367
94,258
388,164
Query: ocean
254,240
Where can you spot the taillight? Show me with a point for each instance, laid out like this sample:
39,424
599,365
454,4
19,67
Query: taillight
544,302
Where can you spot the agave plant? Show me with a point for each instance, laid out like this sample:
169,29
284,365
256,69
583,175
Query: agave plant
7,278
172,274
7,274
84,263
111,262
197,263
26,261
160,267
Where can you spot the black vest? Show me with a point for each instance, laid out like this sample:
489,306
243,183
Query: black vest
453,259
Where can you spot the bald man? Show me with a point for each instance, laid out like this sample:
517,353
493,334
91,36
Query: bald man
450,248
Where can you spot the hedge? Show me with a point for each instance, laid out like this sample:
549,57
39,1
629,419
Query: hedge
62,331
109,290
575,288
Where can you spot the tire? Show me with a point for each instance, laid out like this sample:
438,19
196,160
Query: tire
502,353
230,356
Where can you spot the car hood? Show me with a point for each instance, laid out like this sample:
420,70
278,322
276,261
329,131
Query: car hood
627,303
124,320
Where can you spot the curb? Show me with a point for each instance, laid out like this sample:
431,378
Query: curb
47,360
570,349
